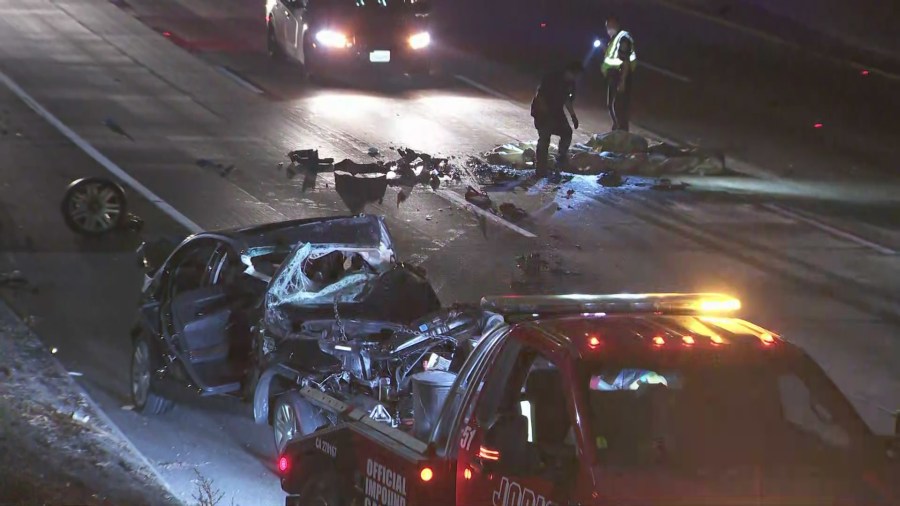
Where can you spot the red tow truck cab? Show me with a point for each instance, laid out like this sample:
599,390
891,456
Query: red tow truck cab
651,399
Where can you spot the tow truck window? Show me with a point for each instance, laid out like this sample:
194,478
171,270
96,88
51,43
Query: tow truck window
473,370
703,416
524,413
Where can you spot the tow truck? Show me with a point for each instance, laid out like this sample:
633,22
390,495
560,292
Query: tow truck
649,399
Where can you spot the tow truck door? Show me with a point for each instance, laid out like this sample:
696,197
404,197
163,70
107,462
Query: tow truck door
517,446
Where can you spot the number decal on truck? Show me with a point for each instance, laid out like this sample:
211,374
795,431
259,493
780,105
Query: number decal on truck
465,441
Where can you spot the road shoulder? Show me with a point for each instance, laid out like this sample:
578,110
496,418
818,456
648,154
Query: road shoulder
55,445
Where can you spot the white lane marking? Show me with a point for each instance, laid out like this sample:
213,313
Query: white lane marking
99,157
667,73
878,248
449,195
486,89
247,85
774,38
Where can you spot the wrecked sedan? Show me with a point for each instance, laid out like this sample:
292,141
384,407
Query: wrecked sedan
259,312
338,36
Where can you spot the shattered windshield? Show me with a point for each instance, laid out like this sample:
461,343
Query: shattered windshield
711,414
323,274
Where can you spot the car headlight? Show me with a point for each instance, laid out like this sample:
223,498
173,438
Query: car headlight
331,38
420,40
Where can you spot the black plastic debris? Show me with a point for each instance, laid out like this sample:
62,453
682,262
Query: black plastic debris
665,184
115,128
133,223
511,212
221,168
611,179
359,184
478,198
531,264
13,279
435,182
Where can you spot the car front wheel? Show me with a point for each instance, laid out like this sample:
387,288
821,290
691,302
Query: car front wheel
143,392
294,417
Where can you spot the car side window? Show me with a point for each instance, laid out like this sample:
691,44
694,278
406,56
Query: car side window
803,409
524,413
191,267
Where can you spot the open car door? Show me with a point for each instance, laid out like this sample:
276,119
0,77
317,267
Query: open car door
204,322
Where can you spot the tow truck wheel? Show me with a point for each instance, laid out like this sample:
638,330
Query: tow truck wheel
294,417
143,363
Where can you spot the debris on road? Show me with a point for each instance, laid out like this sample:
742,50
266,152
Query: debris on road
531,264
359,184
570,193
222,169
13,279
611,179
618,141
115,128
478,199
511,212
623,152
373,151
666,184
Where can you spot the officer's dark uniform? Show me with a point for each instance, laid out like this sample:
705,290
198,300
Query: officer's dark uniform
550,119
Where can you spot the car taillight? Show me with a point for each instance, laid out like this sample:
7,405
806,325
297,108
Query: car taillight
284,464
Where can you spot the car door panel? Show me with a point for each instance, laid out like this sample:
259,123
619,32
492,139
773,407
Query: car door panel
202,318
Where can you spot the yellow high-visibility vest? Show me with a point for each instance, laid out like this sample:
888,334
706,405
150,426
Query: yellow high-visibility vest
611,58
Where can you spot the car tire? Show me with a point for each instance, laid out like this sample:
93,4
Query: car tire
144,394
94,206
272,48
294,417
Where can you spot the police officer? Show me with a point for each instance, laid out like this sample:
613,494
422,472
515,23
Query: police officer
619,63
554,96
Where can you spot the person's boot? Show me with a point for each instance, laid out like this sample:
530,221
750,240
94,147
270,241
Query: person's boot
540,168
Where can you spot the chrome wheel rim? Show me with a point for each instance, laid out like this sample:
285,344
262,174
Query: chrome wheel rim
285,426
95,207
140,374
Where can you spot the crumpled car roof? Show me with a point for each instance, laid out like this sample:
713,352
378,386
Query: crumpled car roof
363,231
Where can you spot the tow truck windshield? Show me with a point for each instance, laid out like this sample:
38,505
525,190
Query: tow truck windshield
701,413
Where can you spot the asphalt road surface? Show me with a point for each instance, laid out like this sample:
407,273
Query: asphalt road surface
827,282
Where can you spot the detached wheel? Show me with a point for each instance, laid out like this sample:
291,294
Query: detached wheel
294,417
94,206
272,48
143,393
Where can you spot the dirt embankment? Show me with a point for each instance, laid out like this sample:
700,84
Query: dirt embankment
54,447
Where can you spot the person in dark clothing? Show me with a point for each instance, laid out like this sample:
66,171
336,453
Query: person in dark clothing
554,96
619,64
